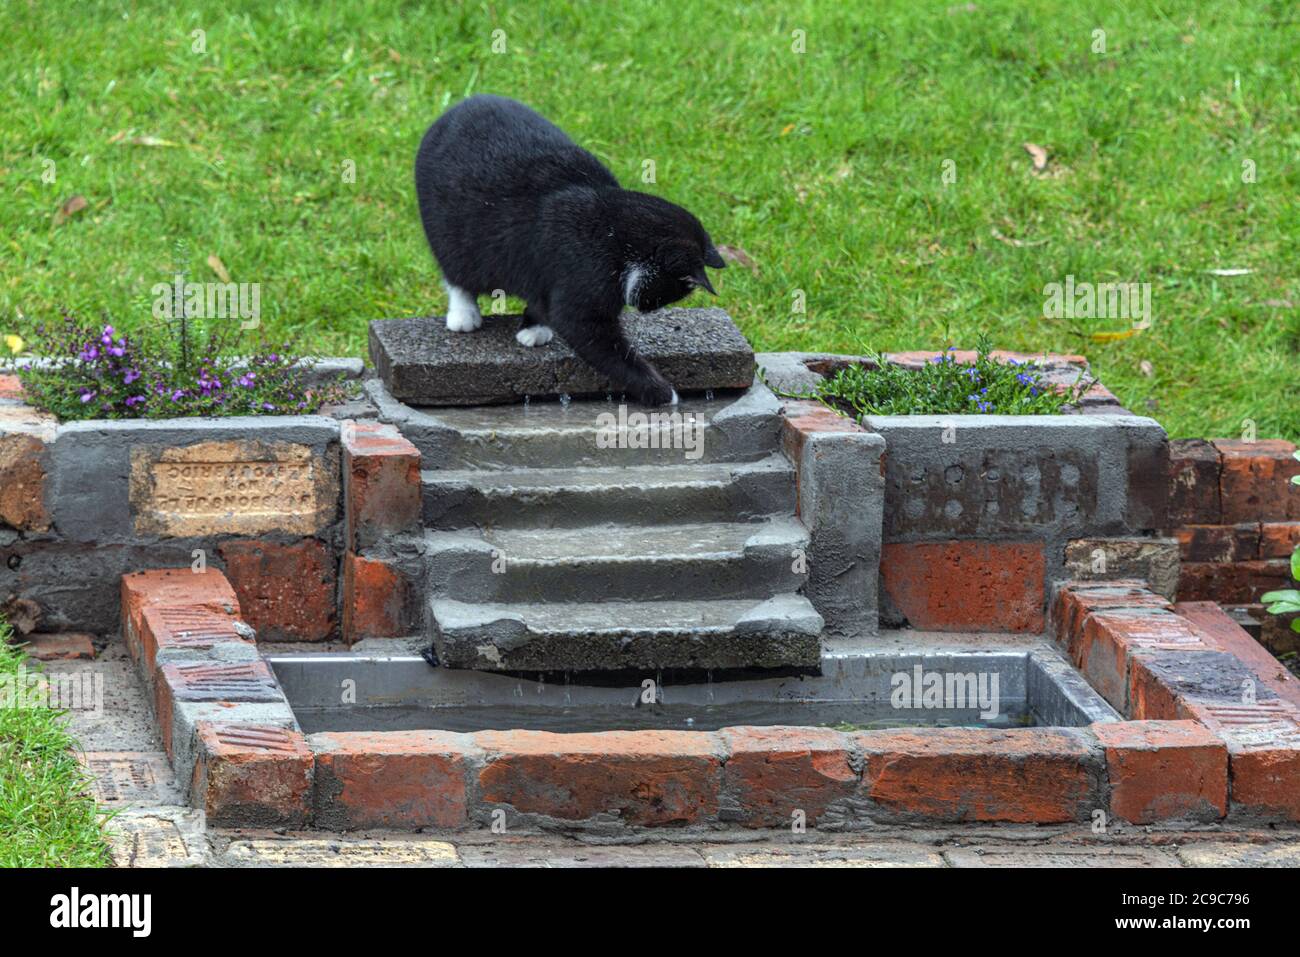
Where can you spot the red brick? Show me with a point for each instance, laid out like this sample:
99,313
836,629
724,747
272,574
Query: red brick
1278,539
11,388
772,772
1255,482
179,627
1194,466
1219,543
1075,600
395,779
1220,631
381,482
641,777
62,647
1110,639
966,585
1232,583
22,482
286,592
916,359
210,682
1164,771
804,417
1026,775
174,587
252,775
1263,740
377,600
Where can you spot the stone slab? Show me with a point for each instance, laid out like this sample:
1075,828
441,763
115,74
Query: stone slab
302,851
423,363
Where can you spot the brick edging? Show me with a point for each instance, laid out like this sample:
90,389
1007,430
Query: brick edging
1163,663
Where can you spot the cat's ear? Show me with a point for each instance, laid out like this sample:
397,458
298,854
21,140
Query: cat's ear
701,279
713,258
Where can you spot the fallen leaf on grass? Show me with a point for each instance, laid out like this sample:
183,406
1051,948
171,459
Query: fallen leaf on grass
218,267
1037,154
734,254
121,137
1146,368
1114,336
1229,272
1018,243
71,206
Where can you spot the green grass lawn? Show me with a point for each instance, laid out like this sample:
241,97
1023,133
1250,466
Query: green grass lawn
826,167
47,818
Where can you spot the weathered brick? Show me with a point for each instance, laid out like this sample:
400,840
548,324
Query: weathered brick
381,483
395,779
1146,504
1278,539
1219,543
250,681
1150,560
1263,739
287,592
1109,640
22,481
1194,466
1036,775
174,587
966,585
640,777
61,647
378,600
1074,601
1164,771
252,775
773,773
1254,484
180,628
1220,631
1232,583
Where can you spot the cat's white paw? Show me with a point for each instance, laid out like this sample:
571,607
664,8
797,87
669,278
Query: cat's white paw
462,310
463,320
534,336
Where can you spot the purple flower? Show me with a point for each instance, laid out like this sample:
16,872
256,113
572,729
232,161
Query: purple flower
246,380
130,376
90,353
87,394
178,394
135,400
107,337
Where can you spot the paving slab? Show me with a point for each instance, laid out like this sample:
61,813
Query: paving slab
527,854
167,836
131,778
423,363
882,854
292,851
1224,854
1059,857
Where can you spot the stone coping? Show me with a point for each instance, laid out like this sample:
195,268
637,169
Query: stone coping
1192,749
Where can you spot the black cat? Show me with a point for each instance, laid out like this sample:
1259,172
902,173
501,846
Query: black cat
510,203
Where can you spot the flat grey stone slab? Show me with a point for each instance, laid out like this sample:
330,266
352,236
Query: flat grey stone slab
423,363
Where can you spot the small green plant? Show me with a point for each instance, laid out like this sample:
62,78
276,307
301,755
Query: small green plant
1287,600
945,386
92,371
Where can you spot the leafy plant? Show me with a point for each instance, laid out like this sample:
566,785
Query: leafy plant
1287,600
92,371
986,386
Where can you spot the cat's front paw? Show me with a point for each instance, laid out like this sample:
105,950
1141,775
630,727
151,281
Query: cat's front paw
463,320
658,393
534,336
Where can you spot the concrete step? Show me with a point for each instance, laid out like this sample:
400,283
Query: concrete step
781,631
606,562
641,494
730,427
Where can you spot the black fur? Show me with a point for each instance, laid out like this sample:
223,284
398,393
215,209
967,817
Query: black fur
509,202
